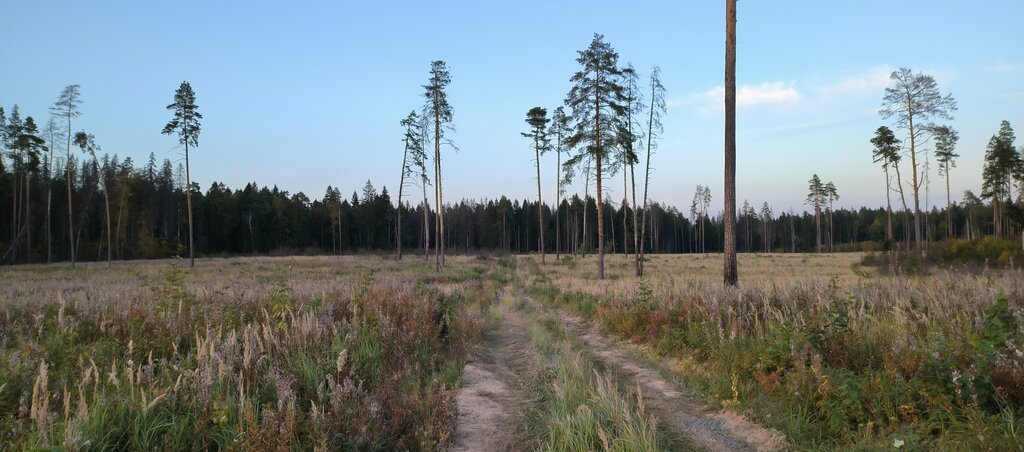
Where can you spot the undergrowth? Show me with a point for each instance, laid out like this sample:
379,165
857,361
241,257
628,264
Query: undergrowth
927,362
196,361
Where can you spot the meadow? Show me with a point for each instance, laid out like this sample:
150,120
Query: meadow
365,352
245,353
830,352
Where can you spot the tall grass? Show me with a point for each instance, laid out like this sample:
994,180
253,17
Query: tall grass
840,357
577,407
261,354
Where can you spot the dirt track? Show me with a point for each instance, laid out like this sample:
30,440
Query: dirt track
491,401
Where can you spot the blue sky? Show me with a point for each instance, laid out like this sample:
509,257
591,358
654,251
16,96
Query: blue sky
305,95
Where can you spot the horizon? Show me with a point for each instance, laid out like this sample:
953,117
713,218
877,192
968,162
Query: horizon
811,112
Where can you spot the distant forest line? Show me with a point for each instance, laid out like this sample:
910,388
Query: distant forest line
148,220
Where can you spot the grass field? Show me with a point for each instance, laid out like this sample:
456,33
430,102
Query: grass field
250,353
831,353
367,353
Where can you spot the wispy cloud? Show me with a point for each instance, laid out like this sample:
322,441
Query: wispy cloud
767,93
1002,66
870,82
1009,95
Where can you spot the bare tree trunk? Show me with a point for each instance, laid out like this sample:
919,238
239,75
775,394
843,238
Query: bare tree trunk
426,223
949,208
888,205
916,186
28,218
586,194
540,204
71,221
398,213
636,238
730,273
439,216
625,210
188,199
558,201
49,202
906,211
106,204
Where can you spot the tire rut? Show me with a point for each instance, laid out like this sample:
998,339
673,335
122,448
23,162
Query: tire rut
676,410
489,404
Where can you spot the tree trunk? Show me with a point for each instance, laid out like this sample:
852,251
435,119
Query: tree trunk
188,200
106,204
71,221
558,201
888,206
636,238
914,184
426,223
949,208
906,211
49,202
730,273
398,217
540,204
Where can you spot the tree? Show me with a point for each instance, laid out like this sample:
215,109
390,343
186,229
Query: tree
413,148
52,133
87,143
816,198
559,129
831,195
538,120
747,215
970,202
699,209
945,153
730,273
766,222
420,162
630,132
186,124
1002,164
887,151
66,107
441,111
654,129
913,101
24,145
597,100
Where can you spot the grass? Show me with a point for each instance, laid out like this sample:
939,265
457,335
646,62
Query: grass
253,353
576,406
825,350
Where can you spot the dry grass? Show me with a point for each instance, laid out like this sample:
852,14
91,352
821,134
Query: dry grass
252,353
822,348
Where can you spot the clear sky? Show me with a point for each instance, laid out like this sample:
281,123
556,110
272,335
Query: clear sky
305,95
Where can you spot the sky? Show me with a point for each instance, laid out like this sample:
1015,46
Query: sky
303,95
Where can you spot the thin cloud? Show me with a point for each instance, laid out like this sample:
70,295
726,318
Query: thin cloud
1009,95
871,82
1002,66
767,93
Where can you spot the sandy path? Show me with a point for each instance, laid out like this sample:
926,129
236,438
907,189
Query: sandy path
490,402
680,412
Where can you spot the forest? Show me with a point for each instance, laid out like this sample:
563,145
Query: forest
148,201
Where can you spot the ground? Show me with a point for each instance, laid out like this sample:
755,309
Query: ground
502,353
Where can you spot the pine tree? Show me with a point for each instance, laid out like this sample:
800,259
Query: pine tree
654,130
538,120
913,100
441,112
945,152
66,107
185,123
597,101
